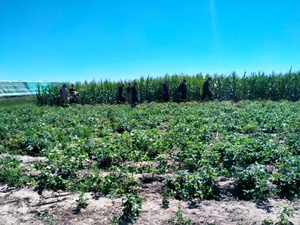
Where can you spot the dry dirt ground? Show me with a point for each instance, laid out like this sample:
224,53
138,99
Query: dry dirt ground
26,206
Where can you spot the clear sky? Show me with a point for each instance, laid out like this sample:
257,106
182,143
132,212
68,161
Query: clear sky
77,40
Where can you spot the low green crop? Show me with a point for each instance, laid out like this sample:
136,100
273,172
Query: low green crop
252,183
188,186
106,149
287,179
11,172
178,219
132,206
114,184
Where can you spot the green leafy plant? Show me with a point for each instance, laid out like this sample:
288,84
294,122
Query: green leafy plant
48,218
178,219
252,183
132,205
162,163
185,185
287,179
114,184
115,220
81,202
11,172
49,178
267,222
284,213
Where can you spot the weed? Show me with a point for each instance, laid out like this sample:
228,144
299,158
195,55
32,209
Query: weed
267,222
81,202
178,219
115,220
48,218
284,213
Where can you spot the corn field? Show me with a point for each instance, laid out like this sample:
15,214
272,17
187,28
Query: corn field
257,86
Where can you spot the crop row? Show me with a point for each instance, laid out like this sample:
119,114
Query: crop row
233,87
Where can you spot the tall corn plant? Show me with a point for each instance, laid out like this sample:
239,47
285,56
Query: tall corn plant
48,95
223,87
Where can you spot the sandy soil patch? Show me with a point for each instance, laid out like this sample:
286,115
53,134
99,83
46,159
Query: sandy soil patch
26,206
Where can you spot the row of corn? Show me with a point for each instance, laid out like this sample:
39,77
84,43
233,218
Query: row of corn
257,86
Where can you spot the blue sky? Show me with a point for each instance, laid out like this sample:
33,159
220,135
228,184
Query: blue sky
76,40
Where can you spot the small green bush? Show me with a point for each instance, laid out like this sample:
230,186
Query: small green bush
186,185
11,172
287,179
252,183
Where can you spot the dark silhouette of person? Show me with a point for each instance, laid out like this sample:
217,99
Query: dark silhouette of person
134,95
73,93
128,93
183,90
64,95
120,96
206,92
165,91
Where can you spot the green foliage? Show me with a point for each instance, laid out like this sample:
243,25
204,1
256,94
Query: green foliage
114,184
132,205
105,148
48,218
49,179
232,87
267,222
179,220
287,179
188,186
81,202
252,183
13,101
11,172
61,171
162,163
284,214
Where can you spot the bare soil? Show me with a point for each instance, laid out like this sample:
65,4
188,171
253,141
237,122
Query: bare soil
26,206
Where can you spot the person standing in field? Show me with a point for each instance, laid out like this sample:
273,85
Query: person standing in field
72,93
128,93
182,89
165,91
120,96
64,95
206,92
134,95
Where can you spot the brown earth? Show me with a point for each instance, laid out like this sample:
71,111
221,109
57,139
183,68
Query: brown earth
25,206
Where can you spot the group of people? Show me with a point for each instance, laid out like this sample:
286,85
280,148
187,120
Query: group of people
67,95
132,95
183,90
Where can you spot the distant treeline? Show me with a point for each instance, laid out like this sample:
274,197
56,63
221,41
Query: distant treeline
223,87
